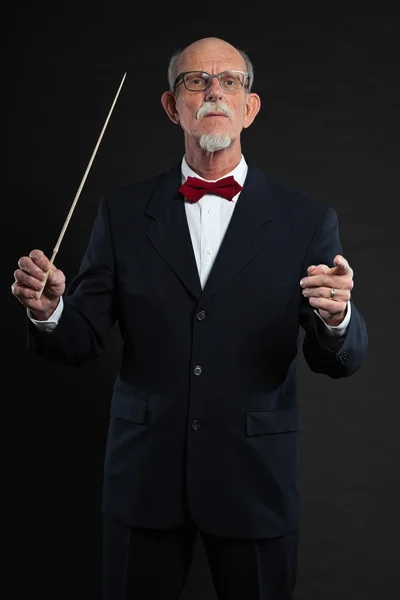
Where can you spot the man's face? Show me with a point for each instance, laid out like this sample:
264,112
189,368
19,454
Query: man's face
212,56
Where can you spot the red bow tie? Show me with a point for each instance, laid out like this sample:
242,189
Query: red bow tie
193,189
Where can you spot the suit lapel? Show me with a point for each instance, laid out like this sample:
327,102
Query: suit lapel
245,236
170,234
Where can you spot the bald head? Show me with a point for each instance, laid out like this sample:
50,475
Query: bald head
210,50
209,54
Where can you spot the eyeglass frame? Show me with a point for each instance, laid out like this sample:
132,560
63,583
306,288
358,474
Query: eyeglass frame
181,79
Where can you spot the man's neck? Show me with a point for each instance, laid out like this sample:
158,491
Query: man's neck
213,165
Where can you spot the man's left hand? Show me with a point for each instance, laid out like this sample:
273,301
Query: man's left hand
318,284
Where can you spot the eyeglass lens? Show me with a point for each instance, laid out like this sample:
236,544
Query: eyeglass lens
228,80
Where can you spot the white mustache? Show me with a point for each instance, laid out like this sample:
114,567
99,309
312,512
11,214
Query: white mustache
208,107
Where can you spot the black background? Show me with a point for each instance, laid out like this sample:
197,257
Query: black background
328,78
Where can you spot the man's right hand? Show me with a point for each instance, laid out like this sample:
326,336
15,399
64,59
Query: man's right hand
29,278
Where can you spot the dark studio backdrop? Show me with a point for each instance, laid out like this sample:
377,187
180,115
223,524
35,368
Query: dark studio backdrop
329,127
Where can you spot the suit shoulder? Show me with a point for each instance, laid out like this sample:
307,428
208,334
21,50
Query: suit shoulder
297,201
132,190
137,192
290,205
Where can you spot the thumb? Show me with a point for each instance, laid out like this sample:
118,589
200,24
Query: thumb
317,269
55,276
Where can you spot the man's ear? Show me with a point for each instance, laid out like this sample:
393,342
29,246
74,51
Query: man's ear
169,104
253,105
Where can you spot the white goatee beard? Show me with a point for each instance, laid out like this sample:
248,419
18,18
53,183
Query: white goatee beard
212,142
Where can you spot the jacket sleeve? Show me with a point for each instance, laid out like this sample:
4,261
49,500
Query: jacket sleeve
89,310
333,356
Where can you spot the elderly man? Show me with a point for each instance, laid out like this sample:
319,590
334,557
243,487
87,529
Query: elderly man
209,269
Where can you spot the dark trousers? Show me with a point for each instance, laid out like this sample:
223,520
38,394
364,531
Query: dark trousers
146,564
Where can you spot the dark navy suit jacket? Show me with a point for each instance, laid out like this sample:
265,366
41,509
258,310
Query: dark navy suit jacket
205,412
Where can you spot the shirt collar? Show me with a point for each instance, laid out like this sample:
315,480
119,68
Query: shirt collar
239,173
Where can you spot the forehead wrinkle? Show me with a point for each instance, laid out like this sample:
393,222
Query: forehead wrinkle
224,61
216,68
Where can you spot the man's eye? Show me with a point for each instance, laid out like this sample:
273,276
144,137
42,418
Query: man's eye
195,81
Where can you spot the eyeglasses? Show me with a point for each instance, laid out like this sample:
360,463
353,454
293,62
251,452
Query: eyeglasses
198,81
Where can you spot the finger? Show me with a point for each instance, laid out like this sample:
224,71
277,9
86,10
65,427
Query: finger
23,293
22,278
313,271
40,259
26,264
317,269
331,306
342,265
341,268
35,264
337,281
325,292
55,277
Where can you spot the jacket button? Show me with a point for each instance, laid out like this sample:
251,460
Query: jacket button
201,315
197,370
195,425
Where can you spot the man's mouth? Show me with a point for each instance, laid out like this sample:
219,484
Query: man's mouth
212,114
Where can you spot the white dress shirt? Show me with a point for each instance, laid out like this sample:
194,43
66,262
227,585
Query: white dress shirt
208,220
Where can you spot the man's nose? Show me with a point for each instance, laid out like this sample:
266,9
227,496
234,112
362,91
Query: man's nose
214,91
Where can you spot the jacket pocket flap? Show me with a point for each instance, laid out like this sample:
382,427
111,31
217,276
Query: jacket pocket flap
268,421
128,407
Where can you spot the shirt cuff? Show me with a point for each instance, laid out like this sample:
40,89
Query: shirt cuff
337,330
51,322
